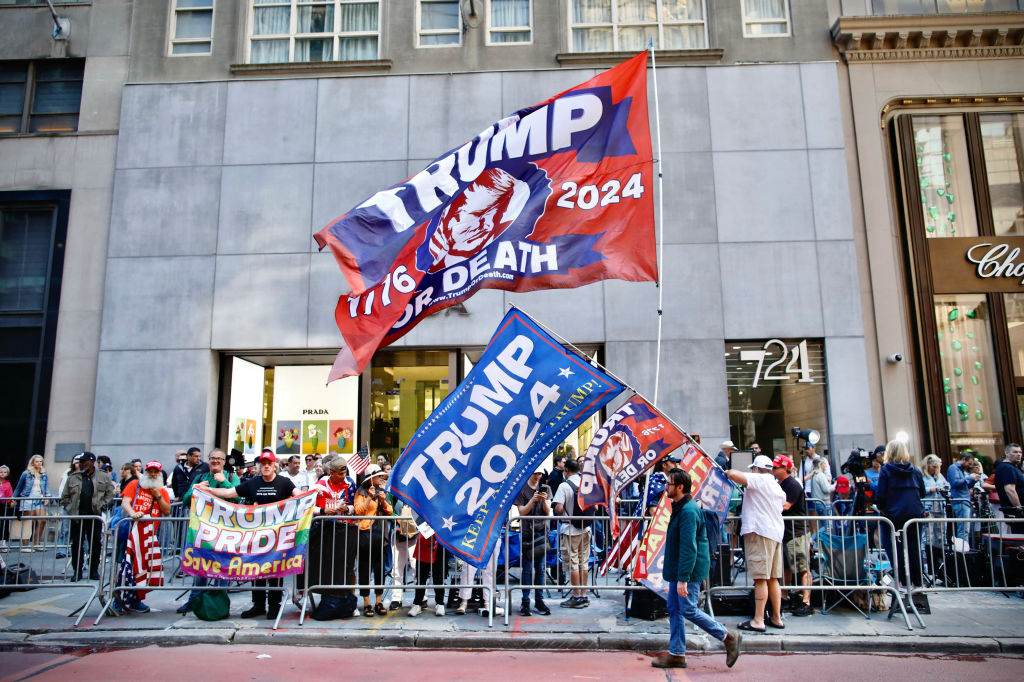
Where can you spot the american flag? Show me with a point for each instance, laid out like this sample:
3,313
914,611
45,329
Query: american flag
144,553
358,462
623,553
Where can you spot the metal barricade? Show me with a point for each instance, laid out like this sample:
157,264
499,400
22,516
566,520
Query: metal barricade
174,579
76,562
994,562
341,558
843,560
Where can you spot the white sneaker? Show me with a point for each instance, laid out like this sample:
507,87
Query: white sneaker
415,610
439,610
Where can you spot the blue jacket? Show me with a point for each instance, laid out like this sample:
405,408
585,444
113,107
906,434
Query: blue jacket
959,482
26,481
687,555
899,493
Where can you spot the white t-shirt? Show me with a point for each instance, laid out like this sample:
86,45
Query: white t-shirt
563,496
762,507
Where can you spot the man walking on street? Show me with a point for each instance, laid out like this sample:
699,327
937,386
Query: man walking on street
761,520
687,563
87,493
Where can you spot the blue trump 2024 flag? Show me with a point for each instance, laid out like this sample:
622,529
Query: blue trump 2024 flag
467,462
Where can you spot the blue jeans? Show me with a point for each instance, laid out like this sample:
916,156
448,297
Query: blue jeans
532,574
680,608
962,511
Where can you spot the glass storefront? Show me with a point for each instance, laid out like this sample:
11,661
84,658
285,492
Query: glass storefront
776,385
963,206
405,387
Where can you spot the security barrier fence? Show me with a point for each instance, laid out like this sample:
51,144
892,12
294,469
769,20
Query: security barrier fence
852,560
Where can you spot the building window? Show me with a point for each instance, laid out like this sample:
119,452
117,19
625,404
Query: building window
192,27
33,229
765,18
439,23
892,7
40,97
509,22
629,25
774,386
300,31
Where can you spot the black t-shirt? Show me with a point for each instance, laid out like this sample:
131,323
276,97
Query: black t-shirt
1007,474
533,528
85,500
258,491
795,496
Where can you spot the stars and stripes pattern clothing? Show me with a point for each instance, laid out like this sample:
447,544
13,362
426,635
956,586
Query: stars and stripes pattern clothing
143,552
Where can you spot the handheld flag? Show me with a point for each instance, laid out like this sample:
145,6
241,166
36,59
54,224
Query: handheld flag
465,465
553,196
628,443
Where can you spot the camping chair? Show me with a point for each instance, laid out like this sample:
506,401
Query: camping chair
842,566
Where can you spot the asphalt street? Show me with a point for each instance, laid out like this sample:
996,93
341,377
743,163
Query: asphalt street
272,663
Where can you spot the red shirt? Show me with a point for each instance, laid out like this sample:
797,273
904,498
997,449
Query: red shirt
144,500
327,491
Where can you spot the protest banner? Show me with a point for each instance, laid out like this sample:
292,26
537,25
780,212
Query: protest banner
247,541
465,465
630,441
651,557
710,485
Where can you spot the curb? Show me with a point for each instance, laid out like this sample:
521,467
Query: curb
912,644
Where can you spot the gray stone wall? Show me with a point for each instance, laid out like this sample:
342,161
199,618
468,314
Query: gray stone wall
219,187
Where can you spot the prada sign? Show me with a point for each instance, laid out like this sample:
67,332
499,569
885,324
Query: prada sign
977,265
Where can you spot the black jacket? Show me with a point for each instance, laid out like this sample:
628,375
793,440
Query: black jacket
899,492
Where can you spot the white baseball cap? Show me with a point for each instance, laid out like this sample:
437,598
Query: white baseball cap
761,462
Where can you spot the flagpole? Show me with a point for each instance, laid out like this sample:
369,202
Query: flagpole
661,220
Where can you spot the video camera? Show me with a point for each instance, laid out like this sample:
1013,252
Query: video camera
233,461
857,463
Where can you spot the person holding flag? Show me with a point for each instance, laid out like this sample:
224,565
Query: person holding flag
687,563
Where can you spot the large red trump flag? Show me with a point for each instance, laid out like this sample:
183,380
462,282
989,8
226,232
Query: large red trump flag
556,195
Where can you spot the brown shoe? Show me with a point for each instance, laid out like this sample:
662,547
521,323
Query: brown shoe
669,661
732,647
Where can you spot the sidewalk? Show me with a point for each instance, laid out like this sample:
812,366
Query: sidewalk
975,623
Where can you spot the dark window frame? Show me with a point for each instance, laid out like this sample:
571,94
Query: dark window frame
28,101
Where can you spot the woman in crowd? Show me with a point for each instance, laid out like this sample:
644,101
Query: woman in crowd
934,484
127,476
821,488
6,506
370,500
898,497
35,485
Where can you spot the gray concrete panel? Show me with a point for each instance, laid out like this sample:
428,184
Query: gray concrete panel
37,163
165,212
94,164
689,203
326,285
172,125
691,384
265,209
840,290
683,104
841,444
755,107
523,88
100,108
157,303
763,196
474,327
848,394
820,88
162,452
363,119
576,314
770,290
450,110
85,251
261,301
110,28
153,396
270,121
830,187
74,380
692,299
340,187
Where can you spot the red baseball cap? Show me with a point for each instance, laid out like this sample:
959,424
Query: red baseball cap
782,461
155,465
268,455
842,484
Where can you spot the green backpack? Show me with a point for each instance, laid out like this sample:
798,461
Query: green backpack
211,605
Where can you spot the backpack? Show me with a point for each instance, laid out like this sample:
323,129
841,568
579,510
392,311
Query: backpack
17,574
211,605
576,511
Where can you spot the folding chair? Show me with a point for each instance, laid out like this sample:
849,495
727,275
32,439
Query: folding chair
842,559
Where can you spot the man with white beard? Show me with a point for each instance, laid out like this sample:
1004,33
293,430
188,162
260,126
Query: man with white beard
145,497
